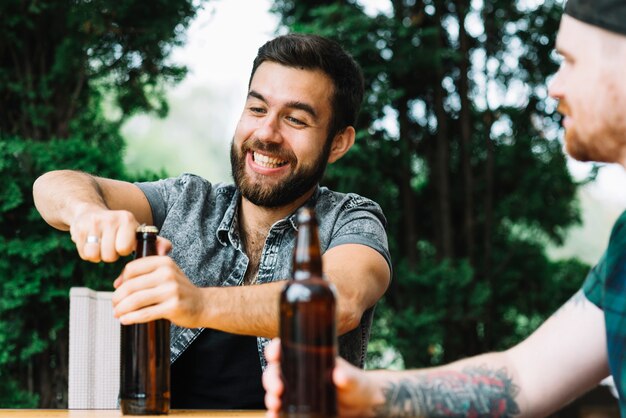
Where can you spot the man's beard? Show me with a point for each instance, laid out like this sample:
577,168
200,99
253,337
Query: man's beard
575,147
602,144
288,190
573,143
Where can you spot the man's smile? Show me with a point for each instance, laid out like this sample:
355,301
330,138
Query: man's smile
267,161
265,165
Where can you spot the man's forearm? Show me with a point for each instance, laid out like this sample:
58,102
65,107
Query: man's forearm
248,310
59,195
477,391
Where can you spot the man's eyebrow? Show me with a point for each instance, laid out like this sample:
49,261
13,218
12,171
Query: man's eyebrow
293,105
256,95
304,107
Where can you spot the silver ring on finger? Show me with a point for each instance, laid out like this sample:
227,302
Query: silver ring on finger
92,239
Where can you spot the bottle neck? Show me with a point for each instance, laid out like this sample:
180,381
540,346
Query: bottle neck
305,275
146,244
307,260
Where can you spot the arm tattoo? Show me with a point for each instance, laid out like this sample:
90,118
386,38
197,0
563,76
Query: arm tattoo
475,392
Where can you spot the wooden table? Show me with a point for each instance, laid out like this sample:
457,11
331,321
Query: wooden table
111,413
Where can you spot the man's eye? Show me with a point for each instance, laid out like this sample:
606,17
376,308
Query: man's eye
295,121
257,110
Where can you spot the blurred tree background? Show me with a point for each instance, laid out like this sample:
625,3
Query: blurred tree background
62,65
455,137
455,134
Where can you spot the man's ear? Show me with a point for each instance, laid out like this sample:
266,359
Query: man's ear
342,142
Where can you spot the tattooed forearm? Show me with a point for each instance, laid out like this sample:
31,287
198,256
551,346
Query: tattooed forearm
474,392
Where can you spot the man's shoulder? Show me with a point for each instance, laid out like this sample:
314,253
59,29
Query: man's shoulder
186,193
188,183
621,220
605,284
618,233
617,243
349,218
332,205
194,180
344,201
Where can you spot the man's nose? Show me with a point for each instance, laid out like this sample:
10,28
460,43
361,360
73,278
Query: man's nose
269,129
555,88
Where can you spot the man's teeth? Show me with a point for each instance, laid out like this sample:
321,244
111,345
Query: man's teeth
266,161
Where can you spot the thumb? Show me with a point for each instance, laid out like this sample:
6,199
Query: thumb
164,246
345,375
272,351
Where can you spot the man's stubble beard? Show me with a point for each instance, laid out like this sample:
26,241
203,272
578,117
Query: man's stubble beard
600,133
574,147
283,193
606,144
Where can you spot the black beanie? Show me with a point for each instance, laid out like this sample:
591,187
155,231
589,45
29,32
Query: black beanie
606,14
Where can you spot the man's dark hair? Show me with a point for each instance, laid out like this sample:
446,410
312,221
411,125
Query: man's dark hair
313,52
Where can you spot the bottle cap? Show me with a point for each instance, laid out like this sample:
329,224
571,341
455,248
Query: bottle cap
143,228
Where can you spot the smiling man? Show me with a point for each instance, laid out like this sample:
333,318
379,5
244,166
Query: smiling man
232,245
585,339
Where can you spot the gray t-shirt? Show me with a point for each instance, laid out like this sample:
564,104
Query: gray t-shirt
200,219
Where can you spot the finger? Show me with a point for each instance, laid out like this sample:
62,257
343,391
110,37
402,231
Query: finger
117,283
91,247
147,314
107,244
146,265
164,246
272,381
138,300
272,351
86,233
344,376
146,305
78,237
125,240
272,403
133,285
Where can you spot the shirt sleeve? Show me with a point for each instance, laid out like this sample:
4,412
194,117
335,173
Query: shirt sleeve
157,199
607,280
593,286
162,194
361,222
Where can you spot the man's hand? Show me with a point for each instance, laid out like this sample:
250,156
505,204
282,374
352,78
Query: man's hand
102,234
358,392
153,288
101,214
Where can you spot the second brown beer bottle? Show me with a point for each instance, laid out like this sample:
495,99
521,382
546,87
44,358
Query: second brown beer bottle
307,329
145,353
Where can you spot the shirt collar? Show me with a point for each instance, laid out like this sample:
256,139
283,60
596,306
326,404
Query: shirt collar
310,202
228,229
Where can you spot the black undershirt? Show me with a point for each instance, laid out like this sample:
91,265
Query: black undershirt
218,371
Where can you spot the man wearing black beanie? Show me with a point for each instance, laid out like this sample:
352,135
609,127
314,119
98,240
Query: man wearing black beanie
585,340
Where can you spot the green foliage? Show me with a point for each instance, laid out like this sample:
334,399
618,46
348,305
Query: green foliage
55,55
11,395
40,264
62,64
473,183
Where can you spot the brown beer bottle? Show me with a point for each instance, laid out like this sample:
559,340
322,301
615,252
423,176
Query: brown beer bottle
307,329
145,353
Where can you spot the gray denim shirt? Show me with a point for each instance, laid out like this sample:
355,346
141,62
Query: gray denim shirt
201,220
